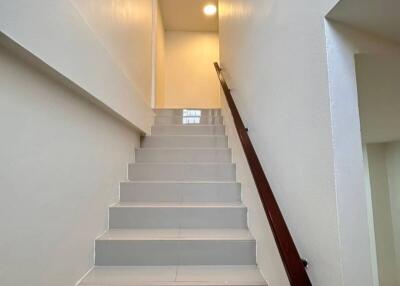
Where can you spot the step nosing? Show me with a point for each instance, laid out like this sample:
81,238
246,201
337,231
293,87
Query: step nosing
183,163
170,163
182,206
180,182
187,125
227,239
181,148
177,234
187,135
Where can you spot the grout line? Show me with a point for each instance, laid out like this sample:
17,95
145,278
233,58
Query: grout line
176,274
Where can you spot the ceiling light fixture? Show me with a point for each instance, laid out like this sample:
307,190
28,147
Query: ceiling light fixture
210,10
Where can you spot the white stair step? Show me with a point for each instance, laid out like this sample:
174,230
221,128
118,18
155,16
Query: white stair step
188,130
179,112
180,192
182,172
180,220
168,120
183,155
181,141
174,215
175,247
216,275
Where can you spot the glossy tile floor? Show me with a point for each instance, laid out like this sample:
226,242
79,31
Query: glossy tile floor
180,219
175,275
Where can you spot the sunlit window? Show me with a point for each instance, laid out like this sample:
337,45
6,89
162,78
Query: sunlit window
190,116
191,113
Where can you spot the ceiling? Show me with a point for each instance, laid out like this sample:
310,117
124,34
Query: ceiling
381,17
187,15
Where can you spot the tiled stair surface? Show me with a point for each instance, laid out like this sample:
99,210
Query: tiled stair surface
180,220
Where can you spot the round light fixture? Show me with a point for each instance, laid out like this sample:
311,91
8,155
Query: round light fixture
210,10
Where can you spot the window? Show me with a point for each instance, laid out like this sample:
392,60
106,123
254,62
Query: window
190,116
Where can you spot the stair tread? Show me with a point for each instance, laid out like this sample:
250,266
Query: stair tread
176,205
188,125
183,182
183,148
183,163
177,234
180,182
175,275
217,135
186,108
181,115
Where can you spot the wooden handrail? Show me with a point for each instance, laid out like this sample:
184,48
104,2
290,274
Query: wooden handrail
294,265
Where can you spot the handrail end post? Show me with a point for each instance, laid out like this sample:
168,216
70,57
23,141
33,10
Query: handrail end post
305,263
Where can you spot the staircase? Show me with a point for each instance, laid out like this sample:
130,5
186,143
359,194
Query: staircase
180,220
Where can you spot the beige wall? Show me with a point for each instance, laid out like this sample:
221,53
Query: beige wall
190,78
125,29
160,60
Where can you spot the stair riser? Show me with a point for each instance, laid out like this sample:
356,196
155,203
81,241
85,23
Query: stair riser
182,172
188,130
185,142
179,112
178,120
180,192
175,252
178,217
183,155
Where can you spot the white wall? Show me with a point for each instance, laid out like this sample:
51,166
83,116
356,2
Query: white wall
342,44
62,158
190,78
273,54
383,166
371,224
268,257
393,172
378,87
379,17
378,84
104,53
292,74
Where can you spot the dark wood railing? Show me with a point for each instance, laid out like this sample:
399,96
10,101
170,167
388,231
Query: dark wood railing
294,265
